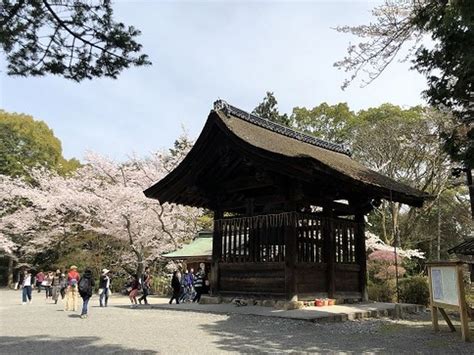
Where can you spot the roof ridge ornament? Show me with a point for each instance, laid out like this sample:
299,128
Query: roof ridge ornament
227,109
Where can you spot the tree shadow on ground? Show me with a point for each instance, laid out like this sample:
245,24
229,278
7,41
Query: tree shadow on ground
136,308
276,335
44,344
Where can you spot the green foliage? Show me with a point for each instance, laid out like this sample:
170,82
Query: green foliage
206,221
381,292
74,39
268,109
453,212
329,122
449,68
161,285
414,290
26,143
85,250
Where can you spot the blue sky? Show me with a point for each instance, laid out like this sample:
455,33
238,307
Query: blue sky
201,51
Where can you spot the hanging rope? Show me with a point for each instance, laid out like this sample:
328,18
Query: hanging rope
395,242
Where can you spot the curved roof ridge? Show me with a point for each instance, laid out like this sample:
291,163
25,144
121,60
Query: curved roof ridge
227,109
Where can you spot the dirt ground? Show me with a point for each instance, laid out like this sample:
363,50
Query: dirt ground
44,328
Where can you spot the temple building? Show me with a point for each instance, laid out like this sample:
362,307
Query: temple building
198,251
288,207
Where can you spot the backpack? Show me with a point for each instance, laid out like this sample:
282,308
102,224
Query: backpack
73,283
84,285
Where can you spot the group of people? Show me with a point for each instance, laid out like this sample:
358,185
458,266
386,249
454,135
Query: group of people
136,284
70,286
189,286
53,283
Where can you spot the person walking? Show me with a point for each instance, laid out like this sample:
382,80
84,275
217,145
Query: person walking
63,285
39,278
199,283
73,279
85,288
104,288
55,286
26,285
175,286
190,285
47,284
135,286
146,284
182,286
187,281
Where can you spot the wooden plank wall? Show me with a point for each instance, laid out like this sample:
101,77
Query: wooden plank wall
257,278
347,277
311,278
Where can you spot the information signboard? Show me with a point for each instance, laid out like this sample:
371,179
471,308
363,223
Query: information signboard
443,283
447,292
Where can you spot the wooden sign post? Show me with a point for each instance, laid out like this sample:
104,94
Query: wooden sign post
447,292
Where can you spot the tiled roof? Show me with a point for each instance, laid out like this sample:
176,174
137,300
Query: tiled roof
221,105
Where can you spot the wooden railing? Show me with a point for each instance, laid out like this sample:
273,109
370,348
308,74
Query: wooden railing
262,238
254,239
344,239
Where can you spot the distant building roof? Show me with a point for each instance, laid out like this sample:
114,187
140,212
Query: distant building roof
199,248
465,248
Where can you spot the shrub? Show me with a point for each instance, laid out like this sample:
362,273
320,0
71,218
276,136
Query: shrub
161,285
414,290
381,292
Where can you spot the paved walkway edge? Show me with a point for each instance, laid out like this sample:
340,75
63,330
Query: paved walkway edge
397,311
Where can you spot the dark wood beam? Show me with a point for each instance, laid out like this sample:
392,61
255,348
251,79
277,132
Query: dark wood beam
361,255
216,253
329,252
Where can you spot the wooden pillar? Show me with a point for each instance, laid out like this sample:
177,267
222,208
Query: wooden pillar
361,255
216,253
329,252
291,258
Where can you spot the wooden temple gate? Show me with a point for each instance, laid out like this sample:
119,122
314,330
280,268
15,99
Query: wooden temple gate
287,254
288,207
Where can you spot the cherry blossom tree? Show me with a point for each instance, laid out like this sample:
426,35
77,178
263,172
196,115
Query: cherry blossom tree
103,196
373,244
122,210
39,214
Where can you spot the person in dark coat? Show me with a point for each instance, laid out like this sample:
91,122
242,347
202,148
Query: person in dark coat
176,286
146,284
86,286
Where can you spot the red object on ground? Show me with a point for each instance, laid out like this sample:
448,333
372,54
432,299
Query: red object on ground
318,303
331,302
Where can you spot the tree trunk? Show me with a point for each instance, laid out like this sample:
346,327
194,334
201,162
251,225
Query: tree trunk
395,220
471,189
10,272
140,263
384,227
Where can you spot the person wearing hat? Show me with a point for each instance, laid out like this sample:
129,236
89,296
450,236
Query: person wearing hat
104,288
72,293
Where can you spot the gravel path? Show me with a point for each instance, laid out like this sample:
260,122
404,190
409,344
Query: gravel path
44,328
